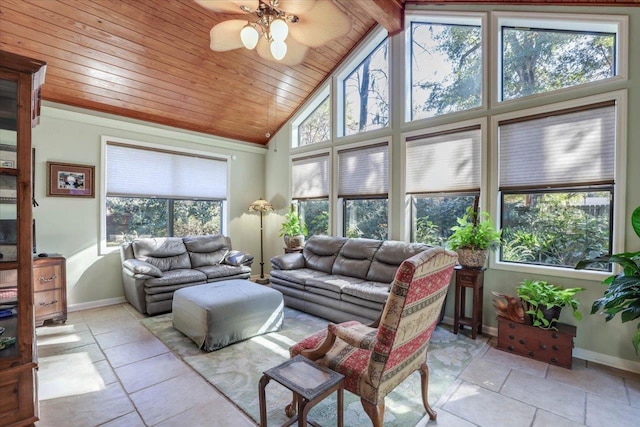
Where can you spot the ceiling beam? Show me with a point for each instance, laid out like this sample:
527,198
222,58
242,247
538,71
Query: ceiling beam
388,13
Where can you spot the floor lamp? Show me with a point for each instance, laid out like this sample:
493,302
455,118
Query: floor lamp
261,206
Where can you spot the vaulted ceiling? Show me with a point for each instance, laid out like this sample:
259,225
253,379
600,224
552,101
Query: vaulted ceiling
150,60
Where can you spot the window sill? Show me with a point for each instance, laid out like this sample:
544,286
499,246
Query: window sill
569,273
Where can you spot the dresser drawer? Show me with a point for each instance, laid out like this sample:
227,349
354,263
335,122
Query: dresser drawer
48,302
46,277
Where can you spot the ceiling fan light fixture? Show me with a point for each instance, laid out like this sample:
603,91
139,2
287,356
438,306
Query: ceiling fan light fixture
279,30
278,49
249,36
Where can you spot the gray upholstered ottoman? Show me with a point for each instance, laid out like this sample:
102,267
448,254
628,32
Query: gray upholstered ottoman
217,314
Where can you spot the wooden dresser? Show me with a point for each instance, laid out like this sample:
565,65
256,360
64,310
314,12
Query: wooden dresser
50,288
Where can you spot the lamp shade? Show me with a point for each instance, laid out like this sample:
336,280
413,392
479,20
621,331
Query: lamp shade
278,49
260,205
279,30
249,36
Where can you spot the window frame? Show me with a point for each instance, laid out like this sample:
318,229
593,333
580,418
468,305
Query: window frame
619,189
103,248
322,152
617,24
309,108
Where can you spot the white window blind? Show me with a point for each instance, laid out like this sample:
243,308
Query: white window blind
310,177
364,171
444,162
573,148
140,172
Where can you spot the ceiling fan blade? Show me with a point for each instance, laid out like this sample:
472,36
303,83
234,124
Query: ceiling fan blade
226,35
228,6
320,25
295,52
296,7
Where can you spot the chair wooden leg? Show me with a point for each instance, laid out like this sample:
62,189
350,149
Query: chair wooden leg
424,377
291,409
375,412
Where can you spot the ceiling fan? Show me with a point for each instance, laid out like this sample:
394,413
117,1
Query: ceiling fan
279,30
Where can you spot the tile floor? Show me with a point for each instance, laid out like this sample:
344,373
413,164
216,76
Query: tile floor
103,368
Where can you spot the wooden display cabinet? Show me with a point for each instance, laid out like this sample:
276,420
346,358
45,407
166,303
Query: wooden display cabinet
20,82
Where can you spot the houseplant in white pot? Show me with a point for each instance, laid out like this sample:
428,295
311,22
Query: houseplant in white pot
473,238
293,229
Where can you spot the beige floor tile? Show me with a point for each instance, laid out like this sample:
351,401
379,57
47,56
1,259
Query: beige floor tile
487,408
486,374
135,351
91,350
115,338
513,361
72,374
546,394
547,419
445,419
603,412
132,419
55,343
109,325
593,379
633,389
153,370
208,415
172,397
87,409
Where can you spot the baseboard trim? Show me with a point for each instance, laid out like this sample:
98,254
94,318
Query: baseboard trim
580,353
95,304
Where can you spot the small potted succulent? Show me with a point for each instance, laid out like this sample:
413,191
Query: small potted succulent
473,238
543,302
293,229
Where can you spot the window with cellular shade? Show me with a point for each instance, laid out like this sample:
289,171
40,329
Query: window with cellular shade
310,177
444,162
364,171
567,148
141,172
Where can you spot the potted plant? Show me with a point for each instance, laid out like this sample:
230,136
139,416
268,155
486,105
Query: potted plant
623,289
293,229
473,237
544,301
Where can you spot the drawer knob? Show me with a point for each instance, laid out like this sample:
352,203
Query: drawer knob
45,304
555,347
543,346
521,341
510,348
48,279
511,337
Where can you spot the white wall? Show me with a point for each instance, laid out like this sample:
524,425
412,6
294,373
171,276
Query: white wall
71,226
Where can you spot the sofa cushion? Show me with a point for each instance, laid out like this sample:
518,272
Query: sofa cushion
320,252
137,266
332,282
176,277
300,275
166,253
372,291
223,270
354,258
362,302
206,250
389,257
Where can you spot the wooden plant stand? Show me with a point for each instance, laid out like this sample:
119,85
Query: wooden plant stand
546,345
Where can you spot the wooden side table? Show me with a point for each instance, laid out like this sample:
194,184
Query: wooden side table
473,279
310,384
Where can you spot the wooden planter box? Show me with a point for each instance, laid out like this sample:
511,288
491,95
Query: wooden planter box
546,345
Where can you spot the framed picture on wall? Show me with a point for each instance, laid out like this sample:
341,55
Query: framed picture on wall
70,180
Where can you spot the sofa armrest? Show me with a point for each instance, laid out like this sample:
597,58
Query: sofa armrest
238,258
290,261
138,267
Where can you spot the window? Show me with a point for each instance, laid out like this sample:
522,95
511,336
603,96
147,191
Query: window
363,187
177,194
366,93
540,55
310,190
556,182
442,180
317,126
445,56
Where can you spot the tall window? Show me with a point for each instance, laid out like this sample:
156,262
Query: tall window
317,126
311,191
556,183
366,93
363,188
540,55
442,180
158,193
446,65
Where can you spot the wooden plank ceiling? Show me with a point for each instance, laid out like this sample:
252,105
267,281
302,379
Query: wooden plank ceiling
150,60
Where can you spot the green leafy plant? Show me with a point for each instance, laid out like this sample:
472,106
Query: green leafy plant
541,297
474,231
293,225
623,289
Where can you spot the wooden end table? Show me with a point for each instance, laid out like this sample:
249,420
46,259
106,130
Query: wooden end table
473,279
309,382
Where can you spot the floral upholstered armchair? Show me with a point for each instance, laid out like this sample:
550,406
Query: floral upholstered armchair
374,359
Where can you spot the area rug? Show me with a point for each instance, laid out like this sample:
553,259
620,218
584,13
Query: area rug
235,371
